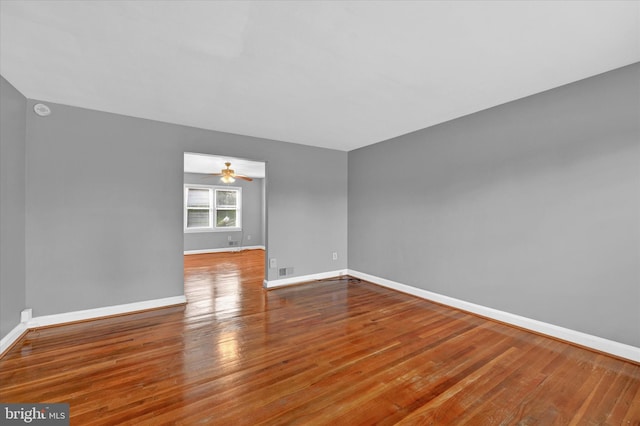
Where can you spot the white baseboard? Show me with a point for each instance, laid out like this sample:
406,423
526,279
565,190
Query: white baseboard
88,314
303,278
223,250
598,343
12,337
594,342
106,311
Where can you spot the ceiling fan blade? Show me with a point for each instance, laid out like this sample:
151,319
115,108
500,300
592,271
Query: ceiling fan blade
248,179
214,174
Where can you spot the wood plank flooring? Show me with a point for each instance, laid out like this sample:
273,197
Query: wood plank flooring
340,352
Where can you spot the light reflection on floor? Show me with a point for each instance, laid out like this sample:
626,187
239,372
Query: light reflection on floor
215,287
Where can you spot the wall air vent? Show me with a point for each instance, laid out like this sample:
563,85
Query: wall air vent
283,272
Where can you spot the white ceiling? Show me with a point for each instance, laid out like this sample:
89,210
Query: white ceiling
202,163
332,74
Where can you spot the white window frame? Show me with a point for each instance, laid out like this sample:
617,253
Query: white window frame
213,208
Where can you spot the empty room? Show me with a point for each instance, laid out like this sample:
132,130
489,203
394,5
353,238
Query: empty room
320,212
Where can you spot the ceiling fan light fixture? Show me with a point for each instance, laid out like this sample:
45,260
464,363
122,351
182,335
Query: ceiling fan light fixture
228,175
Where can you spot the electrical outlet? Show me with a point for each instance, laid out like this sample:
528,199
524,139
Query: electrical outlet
229,238
273,263
335,255
248,237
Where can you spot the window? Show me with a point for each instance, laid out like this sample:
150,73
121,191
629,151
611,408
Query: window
212,208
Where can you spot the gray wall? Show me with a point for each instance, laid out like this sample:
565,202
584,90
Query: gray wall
252,207
104,206
12,206
531,207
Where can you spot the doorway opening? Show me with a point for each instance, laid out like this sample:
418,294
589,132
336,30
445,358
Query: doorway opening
224,229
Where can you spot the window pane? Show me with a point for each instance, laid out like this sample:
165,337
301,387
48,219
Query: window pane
226,198
226,218
197,218
198,197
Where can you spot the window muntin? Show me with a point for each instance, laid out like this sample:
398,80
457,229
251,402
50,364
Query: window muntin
211,208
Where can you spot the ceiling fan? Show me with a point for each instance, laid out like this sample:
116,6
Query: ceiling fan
229,175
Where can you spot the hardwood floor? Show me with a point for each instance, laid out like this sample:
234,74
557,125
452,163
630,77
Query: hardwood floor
339,352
